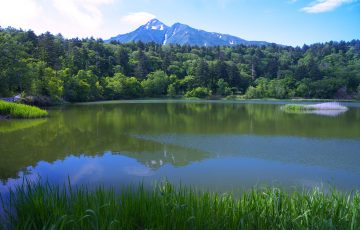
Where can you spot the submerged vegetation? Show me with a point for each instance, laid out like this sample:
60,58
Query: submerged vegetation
166,207
14,110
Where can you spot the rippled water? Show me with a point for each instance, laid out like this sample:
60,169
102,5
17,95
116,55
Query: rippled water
216,145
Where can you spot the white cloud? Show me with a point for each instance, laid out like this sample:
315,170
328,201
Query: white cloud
138,18
83,13
19,13
72,18
321,6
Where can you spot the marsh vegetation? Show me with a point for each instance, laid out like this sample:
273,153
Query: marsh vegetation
40,206
15,110
328,106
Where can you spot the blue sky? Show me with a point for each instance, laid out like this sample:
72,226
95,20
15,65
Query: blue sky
288,22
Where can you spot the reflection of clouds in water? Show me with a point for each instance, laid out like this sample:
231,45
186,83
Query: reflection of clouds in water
22,177
92,169
154,163
138,171
330,113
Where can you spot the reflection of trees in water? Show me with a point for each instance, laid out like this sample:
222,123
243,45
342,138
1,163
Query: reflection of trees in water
7,126
92,133
231,118
93,129
270,120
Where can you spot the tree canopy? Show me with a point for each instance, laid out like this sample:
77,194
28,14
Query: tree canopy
90,69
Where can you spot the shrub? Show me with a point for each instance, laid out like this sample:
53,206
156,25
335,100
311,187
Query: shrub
155,84
200,92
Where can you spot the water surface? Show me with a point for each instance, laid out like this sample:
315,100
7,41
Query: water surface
220,146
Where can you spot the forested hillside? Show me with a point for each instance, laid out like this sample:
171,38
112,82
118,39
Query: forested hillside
89,69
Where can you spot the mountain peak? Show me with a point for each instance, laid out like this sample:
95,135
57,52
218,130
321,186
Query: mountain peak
156,31
155,24
154,21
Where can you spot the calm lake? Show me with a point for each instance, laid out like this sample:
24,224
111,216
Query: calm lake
222,146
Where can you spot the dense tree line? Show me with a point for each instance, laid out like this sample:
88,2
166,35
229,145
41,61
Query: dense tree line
89,69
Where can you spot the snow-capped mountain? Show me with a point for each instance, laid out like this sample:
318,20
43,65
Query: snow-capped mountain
158,32
155,24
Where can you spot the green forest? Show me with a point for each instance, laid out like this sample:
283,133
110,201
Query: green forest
77,70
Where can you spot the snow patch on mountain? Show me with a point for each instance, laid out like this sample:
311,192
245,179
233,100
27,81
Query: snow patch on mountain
165,40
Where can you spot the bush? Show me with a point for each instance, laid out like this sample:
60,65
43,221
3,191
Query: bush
121,87
200,92
252,93
156,84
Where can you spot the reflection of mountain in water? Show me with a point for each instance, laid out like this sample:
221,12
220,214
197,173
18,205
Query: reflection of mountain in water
95,129
150,153
327,153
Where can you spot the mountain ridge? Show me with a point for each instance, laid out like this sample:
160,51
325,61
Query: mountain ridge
181,34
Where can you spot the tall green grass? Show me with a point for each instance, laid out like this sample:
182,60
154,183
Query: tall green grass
14,110
36,206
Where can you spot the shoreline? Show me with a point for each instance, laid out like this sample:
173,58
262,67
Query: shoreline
3,118
213,98
195,100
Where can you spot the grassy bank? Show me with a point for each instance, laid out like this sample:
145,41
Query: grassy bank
165,207
14,110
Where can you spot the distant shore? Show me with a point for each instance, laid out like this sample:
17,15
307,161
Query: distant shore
184,99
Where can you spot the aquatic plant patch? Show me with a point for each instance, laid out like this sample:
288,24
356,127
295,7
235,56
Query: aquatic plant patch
15,110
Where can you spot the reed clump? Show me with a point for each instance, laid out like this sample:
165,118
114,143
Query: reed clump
38,206
15,110
297,108
334,106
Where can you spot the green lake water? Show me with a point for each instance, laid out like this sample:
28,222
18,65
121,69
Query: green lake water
221,146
